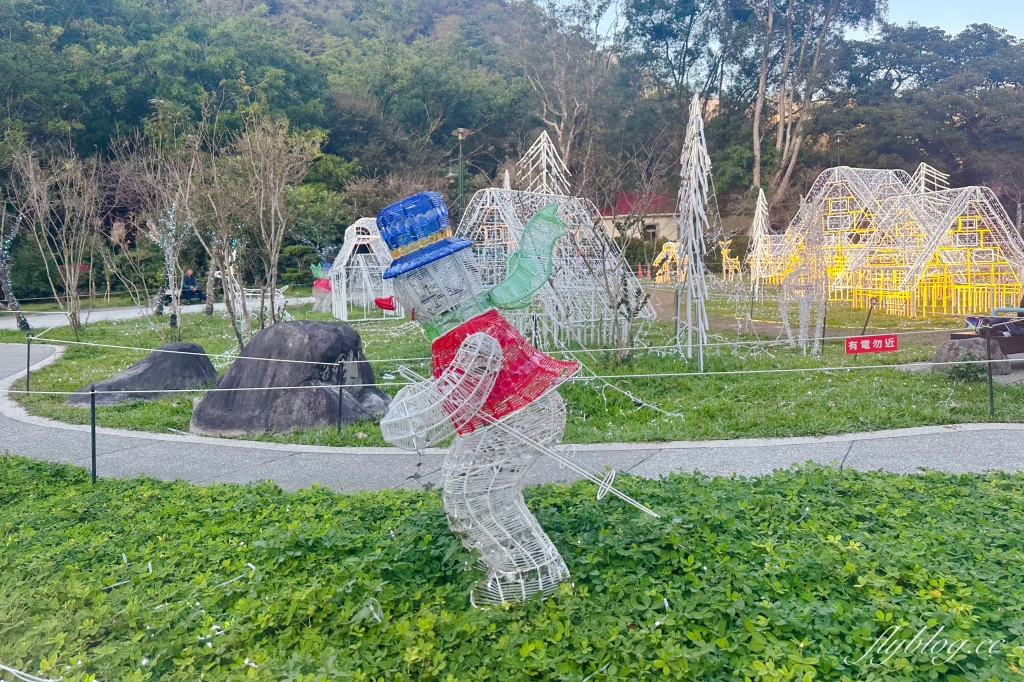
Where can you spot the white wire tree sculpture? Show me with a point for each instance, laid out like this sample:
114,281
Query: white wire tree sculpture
357,274
757,252
491,391
542,169
694,228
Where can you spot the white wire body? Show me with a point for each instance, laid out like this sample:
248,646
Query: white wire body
484,471
483,477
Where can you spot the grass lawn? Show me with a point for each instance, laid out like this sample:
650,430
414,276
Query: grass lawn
123,300
115,301
792,576
691,407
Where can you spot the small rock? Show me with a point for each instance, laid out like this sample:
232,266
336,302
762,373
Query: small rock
953,350
187,367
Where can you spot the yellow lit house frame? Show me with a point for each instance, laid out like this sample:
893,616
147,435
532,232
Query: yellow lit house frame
910,243
671,264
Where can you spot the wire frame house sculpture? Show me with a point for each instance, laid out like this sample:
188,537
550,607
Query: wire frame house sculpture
591,289
356,276
910,243
670,263
592,294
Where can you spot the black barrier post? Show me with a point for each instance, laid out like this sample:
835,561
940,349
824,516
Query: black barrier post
92,413
28,364
824,322
868,318
341,396
991,395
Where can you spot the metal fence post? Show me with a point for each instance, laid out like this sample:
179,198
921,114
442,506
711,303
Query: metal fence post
28,364
868,318
92,411
988,365
341,396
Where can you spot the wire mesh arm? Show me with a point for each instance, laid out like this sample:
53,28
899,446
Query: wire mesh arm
430,411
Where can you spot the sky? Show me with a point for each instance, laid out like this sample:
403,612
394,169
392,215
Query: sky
953,15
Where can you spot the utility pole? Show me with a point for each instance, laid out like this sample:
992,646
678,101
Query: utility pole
462,134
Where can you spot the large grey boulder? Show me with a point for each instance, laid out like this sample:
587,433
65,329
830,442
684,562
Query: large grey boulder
954,351
184,367
319,347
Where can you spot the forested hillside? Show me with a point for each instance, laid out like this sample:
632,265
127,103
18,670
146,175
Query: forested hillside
380,85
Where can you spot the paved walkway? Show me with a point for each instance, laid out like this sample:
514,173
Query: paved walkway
48,319
120,453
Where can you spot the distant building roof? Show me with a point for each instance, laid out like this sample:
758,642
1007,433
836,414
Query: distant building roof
646,203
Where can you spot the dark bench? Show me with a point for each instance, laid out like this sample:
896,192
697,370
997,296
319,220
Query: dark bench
1007,344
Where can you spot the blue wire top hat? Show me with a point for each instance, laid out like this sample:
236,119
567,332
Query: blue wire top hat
417,232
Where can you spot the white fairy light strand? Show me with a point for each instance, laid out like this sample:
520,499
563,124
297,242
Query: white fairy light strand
25,677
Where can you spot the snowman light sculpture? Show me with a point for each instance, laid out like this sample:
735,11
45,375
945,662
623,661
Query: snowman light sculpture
490,389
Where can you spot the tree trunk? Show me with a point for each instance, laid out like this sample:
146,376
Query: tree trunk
227,282
783,92
209,289
272,289
12,301
92,280
761,84
785,172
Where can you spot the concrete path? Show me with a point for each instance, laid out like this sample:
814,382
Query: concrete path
46,320
120,453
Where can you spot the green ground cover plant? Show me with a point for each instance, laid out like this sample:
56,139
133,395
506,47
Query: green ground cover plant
969,369
790,576
712,406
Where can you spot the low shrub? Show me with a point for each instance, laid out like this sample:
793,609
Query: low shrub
792,576
968,369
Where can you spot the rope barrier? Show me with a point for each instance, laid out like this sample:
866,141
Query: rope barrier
836,368
207,355
564,351
583,379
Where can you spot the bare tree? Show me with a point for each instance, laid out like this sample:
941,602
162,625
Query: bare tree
219,232
61,199
823,24
369,195
796,62
644,167
124,260
568,71
273,159
157,179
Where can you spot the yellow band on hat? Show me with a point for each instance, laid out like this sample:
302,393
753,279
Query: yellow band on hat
406,249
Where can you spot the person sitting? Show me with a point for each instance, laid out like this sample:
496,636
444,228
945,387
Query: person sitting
190,288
